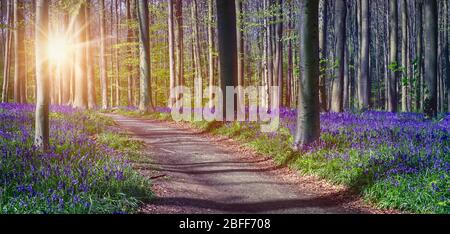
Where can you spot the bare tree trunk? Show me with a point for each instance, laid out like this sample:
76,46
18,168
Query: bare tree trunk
364,79
240,49
19,52
89,59
145,104
117,54
323,33
431,40
180,47
196,44
130,55
405,75
7,54
103,66
279,50
393,21
226,25
171,53
42,78
338,82
308,119
211,51
80,60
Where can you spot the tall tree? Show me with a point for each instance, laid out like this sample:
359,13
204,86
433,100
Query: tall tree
405,77
7,54
196,45
145,104
103,67
431,50
211,51
180,41
240,47
279,49
338,83
393,23
89,59
226,25
308,116
42,76
80,58
129,66
19,52
172,70
364,79
323,33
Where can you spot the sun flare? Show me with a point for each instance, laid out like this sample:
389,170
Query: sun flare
58,49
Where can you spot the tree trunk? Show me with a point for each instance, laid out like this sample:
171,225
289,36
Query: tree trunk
7,53
240,49
430,41
364,79
42,78
211,51
405,77
279,50
89,59
323,33
226,25
80,60
145,104
103,66
419,55
180,41
117,54
196,44
393,21
338,82
171,53
130,55
308,117
19,52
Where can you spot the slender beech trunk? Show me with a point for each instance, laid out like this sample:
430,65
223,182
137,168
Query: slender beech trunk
89,59
279,50
196,44
323,33
80,60
19,52
129,67
405,75
172,71
364,79
393,22
117,54
308,116
7,54
145,104
338,82
103,66
211,51
226,25
42,78
431,49
180,41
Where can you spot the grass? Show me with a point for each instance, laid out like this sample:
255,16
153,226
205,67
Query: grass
86,170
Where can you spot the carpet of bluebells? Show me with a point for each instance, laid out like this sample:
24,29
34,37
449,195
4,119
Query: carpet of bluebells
77,174
399,161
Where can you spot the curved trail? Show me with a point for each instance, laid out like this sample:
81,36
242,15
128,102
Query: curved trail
192,174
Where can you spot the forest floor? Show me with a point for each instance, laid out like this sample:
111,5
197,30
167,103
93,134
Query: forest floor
196,172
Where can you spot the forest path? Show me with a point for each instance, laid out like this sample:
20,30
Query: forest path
194,173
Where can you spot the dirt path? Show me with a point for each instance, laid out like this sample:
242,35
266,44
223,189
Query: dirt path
196,174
